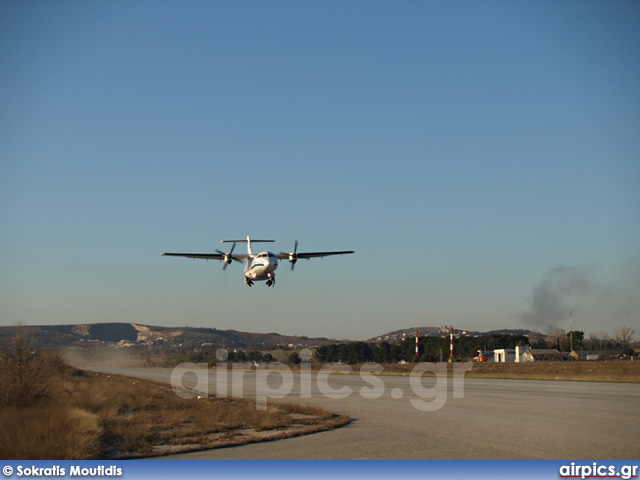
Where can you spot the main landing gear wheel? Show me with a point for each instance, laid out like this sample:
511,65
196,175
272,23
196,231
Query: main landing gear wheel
272,281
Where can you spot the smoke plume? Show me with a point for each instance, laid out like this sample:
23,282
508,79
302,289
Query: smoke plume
550,298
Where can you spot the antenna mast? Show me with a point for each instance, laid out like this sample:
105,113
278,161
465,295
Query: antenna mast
573,355
571,327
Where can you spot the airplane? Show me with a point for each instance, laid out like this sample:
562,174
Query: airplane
260,267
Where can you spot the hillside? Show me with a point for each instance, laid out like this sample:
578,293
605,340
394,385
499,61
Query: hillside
398,336
132,334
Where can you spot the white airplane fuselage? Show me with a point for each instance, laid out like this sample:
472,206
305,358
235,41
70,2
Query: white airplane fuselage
261,267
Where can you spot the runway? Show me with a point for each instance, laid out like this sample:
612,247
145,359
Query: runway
395,418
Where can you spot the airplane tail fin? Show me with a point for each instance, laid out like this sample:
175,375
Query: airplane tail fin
248,242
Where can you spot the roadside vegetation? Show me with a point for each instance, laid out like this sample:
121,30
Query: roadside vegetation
49,410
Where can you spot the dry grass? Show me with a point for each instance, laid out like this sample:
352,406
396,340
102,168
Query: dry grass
141,418
52,411
52,432
621,371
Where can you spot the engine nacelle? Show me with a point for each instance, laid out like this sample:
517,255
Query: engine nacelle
228,259
293,258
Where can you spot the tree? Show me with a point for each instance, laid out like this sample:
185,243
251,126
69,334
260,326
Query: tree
624,335
556,338
593,343
535,339
25,372
578,339
238,356
295,358
254,356
382,353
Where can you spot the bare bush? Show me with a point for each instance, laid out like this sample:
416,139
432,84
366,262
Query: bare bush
624,336
26,375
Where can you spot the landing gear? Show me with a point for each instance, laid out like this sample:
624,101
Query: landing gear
248,282
272,281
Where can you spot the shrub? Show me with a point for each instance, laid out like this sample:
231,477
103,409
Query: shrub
26,375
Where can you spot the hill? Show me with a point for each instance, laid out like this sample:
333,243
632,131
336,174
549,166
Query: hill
397,336
133,334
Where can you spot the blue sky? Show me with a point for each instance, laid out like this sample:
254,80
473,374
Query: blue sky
482,158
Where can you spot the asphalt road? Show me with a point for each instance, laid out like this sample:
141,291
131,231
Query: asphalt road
398,419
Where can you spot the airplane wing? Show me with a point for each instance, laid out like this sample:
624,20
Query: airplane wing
307,255
205,256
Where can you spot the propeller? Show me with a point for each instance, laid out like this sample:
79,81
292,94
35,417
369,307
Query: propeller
293,257
227,257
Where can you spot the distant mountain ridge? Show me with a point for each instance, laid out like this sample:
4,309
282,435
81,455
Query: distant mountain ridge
133,334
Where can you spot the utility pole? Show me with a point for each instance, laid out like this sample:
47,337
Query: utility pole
571,327
572,354
451,345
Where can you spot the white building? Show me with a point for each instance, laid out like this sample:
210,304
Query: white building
518,354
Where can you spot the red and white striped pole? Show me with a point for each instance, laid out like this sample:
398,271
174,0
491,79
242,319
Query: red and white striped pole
417,343
451,345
